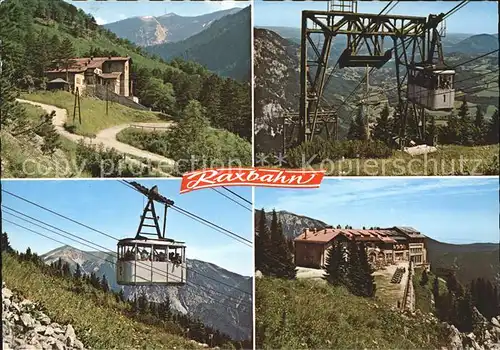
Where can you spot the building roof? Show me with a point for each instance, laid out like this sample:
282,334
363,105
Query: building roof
58,80
83,63
386,235
112,75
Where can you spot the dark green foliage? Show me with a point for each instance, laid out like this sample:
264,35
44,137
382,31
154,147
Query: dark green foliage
479,131
146,312
6,247
101,162
466,127
425,278
432,130
318,150
333,265
359,279
493,128
450,133
272,254
28,51
78,272
104,284
383,129
357,129
48,131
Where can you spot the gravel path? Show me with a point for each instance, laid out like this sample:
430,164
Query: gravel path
107,136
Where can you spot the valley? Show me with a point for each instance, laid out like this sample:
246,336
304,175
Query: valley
145,88
371,105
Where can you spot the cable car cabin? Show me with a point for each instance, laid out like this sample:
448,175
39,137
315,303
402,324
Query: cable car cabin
431,88
151,262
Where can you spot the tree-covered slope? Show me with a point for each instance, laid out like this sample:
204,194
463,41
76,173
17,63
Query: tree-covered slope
224,47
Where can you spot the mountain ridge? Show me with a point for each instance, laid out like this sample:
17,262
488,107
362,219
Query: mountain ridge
225,308
224,47
170,27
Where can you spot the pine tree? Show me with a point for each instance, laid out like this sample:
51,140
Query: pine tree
78,272
104,284
479,126
493,128
6,247
357,129
333,264
432,131
354,273
425,278
383,130
281,263
50,136
66,271
65,53
262,245
465,125
464,312
367,285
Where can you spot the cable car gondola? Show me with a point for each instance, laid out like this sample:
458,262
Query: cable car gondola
431,87
143,260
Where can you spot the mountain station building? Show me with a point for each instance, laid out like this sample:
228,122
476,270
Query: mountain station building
384,245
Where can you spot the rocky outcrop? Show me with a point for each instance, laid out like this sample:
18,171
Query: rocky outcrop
25,326
486,335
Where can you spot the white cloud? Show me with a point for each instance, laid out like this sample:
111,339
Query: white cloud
336,192
100,21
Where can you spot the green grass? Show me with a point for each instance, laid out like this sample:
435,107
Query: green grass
22,156
94,118
423,293
302,314
97,317
448,160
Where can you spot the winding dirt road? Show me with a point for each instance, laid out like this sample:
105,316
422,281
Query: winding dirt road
107,136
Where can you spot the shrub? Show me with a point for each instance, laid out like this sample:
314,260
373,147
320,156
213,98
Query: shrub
320,150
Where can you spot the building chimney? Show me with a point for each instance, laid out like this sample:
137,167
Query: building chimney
91,58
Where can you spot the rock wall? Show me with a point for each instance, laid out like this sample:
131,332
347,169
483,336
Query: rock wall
25,326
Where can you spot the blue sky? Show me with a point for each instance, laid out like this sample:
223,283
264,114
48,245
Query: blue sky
476,17
111,207
454,210
111,11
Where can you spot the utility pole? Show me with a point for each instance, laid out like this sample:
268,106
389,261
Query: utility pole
77,102
107,97
367,121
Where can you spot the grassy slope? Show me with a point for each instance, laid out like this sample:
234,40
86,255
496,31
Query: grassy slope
446,161
300,314
19,150
96,317
93,111
423,293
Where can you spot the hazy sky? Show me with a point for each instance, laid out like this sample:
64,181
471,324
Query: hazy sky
475,18
453,210
112,11
111,207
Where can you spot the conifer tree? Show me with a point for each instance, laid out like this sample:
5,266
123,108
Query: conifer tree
382,130
104,284
425,278
333,264
357,129
66,271
367,284
6,247
492,136
262,245
432,130
65,53
354,273
78,272
479,126
465,125
280,261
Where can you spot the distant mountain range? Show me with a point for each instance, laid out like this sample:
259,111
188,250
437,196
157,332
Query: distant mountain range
228,309
469,261
224,46
152,30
